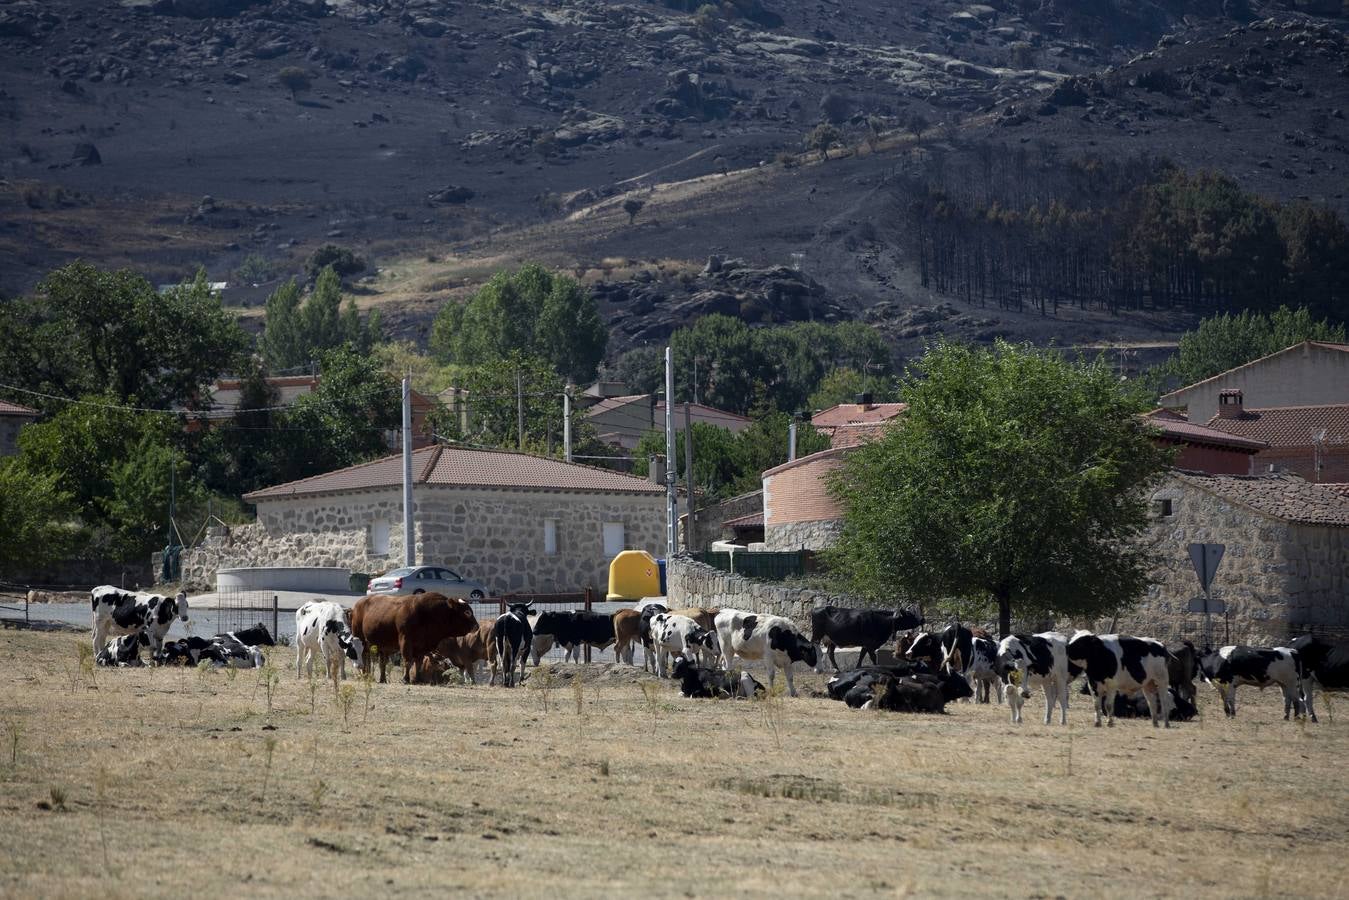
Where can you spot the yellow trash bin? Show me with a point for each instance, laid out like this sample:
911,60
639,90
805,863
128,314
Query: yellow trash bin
633,574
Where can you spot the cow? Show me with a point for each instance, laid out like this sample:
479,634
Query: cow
951,648
844,626
918,693
1182,667
1135,706
464,653
703,681
572,630
1025,660
413,626
649,611
118,612
123,651
676,635
321,629
220,650
1117,663
513,636
706,618
626,623
1324,665
983,668
488,632
859,687
1263,667
773,639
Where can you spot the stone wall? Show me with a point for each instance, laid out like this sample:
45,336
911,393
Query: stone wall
494,536
1277,577
693,583
803,535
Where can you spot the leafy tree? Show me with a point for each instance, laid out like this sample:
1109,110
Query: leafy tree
823,137
293,79
632,206
844,385
1225,341
763,445
144,487
283,343
532,312
1018,478
296,333
642,369
917,123
89,331
721,349
343,261
493,415
240,456
35,514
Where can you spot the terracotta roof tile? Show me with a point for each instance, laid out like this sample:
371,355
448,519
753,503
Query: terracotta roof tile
745,521
1283,496
466,467
855,434
14,409
1288,426
1177,428
855,414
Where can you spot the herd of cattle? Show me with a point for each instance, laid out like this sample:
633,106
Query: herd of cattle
1124,676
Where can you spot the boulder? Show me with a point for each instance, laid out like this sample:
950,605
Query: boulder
453,194
86,154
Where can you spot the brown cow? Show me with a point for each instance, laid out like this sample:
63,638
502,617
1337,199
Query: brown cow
465,651
626,623
706,618
413,626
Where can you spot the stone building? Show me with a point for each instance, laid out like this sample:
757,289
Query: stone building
13,418
798,512
1285,569
1309,373
514,521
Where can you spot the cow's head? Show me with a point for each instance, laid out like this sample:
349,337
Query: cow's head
352,646
705,638
521,611
180,600
955,686
682,666
926,646
907,619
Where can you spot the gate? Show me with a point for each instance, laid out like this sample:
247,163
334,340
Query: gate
237,609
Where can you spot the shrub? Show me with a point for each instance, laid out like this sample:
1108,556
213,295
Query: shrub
344,261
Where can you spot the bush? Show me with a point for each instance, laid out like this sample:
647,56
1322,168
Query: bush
255,269
343,261
293,79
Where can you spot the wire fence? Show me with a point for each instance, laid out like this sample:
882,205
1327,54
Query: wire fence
237,609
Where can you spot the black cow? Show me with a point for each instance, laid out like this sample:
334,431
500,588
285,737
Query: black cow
845,626
513,637
703,681
859,687
1324,665
1182,667
919,693
574,629
1135,706
221,650
1262,667
254,636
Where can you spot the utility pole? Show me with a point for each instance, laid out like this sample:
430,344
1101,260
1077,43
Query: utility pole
519,411
791,437
409,538
566,422
688,477
671,501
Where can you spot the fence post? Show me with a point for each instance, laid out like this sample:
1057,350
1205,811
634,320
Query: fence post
276,620
28,592
588,605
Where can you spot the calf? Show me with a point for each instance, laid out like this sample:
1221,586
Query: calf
221,650
922,693
983,669
118,612
1262,667
258,635
321,629
773,639
1115,664
706,618
123,651
1026,660
513,636
465,652
626,623
843,626
676,635
951,648
702,681
1324,665
1135,706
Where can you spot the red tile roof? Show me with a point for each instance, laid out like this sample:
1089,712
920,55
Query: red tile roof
1288,426
1286,497
14,409
1175,427
466,467
856,414
855,434
746,521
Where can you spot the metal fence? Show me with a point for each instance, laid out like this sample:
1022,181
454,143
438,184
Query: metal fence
767,566
237,609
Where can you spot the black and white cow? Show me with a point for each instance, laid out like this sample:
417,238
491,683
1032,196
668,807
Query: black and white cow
1182,667
843,626
649,611
222,650
1119,664
254,636
570,629
774,639
118,612
322,630
704,681
1324,665
513,636
1027,660
983,669
1263,667
675,635
1135,706
952,647
123,651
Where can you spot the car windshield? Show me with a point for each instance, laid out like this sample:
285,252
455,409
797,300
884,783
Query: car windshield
398,573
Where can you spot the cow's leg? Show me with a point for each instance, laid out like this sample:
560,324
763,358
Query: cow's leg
791,687
833,662
100,635
383,662
1063,700
1307,688
1154,701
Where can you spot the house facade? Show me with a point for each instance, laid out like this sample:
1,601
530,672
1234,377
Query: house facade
1203,449
13,419
798,511
621,421
514,521
1309,373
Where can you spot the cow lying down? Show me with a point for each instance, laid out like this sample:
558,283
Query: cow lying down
702,681
898,689
1135,706
124,651
223,650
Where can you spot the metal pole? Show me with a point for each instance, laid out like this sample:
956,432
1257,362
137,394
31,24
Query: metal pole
566,422
409,536
688,477
173,494
791,440
519,411
671,501
276,619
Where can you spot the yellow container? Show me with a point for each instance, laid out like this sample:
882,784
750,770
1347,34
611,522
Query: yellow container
633,575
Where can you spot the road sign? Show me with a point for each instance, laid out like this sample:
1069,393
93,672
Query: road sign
1206,605
1206,558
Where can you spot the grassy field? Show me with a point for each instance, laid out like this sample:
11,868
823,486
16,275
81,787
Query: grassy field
174,782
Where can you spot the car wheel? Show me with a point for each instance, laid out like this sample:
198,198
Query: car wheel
476,595
419,591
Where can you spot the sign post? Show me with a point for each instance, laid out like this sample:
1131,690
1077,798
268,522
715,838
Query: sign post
1206,558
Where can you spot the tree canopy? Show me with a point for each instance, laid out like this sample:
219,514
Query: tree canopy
1018,479
35,519
296,332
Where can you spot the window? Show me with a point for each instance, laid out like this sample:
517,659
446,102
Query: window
550,537
613,539
1164,507
378,536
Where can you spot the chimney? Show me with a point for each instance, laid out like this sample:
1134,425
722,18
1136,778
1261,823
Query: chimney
864,400
655,472
1230,404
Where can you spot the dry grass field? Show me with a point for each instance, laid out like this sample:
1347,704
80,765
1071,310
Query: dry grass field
146,782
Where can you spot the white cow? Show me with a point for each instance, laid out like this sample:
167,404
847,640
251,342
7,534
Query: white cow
117,612
676,635
774,639
1037,659
322,629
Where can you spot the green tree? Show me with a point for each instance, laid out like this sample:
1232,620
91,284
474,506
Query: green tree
530,311
321,314
342,259
35,514
296,332
1018,479
284,344
844,386
721,350
493,415
822,138
642,369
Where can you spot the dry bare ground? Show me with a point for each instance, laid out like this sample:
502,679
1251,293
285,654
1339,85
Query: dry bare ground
175,782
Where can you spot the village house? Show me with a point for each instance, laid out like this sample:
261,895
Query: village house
1311,441
1312,373
852,424
621,421
13,418
513,521
1203,449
